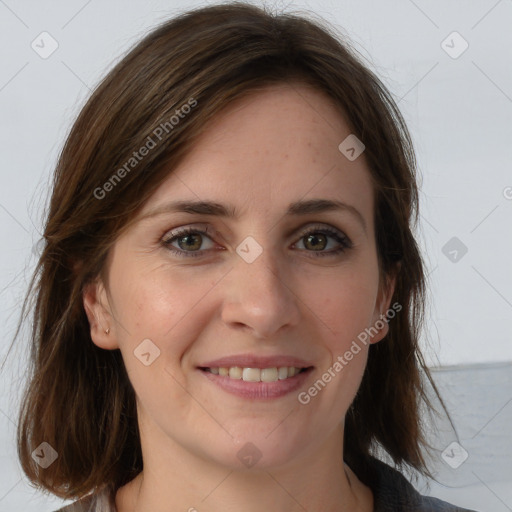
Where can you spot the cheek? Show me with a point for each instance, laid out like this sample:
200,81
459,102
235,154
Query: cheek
155,299
343,303
158,308
167,307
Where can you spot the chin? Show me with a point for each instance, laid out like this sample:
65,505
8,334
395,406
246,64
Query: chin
263,448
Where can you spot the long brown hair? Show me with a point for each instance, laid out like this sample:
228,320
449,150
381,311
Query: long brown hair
79,398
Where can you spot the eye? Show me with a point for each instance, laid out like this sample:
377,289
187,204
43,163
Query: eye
189,241
316,240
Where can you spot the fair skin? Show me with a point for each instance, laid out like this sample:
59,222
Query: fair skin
274,148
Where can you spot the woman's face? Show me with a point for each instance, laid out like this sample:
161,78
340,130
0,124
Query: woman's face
265,279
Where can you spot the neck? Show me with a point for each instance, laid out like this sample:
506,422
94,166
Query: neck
175,479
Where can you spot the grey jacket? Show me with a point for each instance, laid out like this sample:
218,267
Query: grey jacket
391,493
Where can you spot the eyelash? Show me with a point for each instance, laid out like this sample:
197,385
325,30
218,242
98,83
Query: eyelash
343,240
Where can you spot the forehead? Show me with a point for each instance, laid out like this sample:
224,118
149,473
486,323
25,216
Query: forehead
267,150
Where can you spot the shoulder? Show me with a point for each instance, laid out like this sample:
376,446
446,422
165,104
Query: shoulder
101,501
392,492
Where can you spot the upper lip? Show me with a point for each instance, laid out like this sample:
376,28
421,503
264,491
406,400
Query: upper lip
254,361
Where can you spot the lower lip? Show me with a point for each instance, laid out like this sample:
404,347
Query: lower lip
258,390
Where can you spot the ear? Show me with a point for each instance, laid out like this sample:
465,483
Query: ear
382,305
97,309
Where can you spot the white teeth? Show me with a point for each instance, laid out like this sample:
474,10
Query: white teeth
269,375
282,372
251,374
256,374
235,372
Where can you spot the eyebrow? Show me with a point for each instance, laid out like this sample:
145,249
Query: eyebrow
298,208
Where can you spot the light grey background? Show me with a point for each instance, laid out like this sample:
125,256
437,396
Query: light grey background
459,111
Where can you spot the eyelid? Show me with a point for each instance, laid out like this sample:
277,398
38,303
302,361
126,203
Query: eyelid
319,226
202,229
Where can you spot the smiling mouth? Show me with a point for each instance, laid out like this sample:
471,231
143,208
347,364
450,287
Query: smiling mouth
273,374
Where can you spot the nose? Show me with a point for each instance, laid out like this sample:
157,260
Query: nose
260,298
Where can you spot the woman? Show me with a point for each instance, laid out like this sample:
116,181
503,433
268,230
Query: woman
230,296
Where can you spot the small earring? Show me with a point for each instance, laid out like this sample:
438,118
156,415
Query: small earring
107,330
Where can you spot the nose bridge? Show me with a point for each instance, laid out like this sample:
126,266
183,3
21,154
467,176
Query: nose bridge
259,295
264,275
